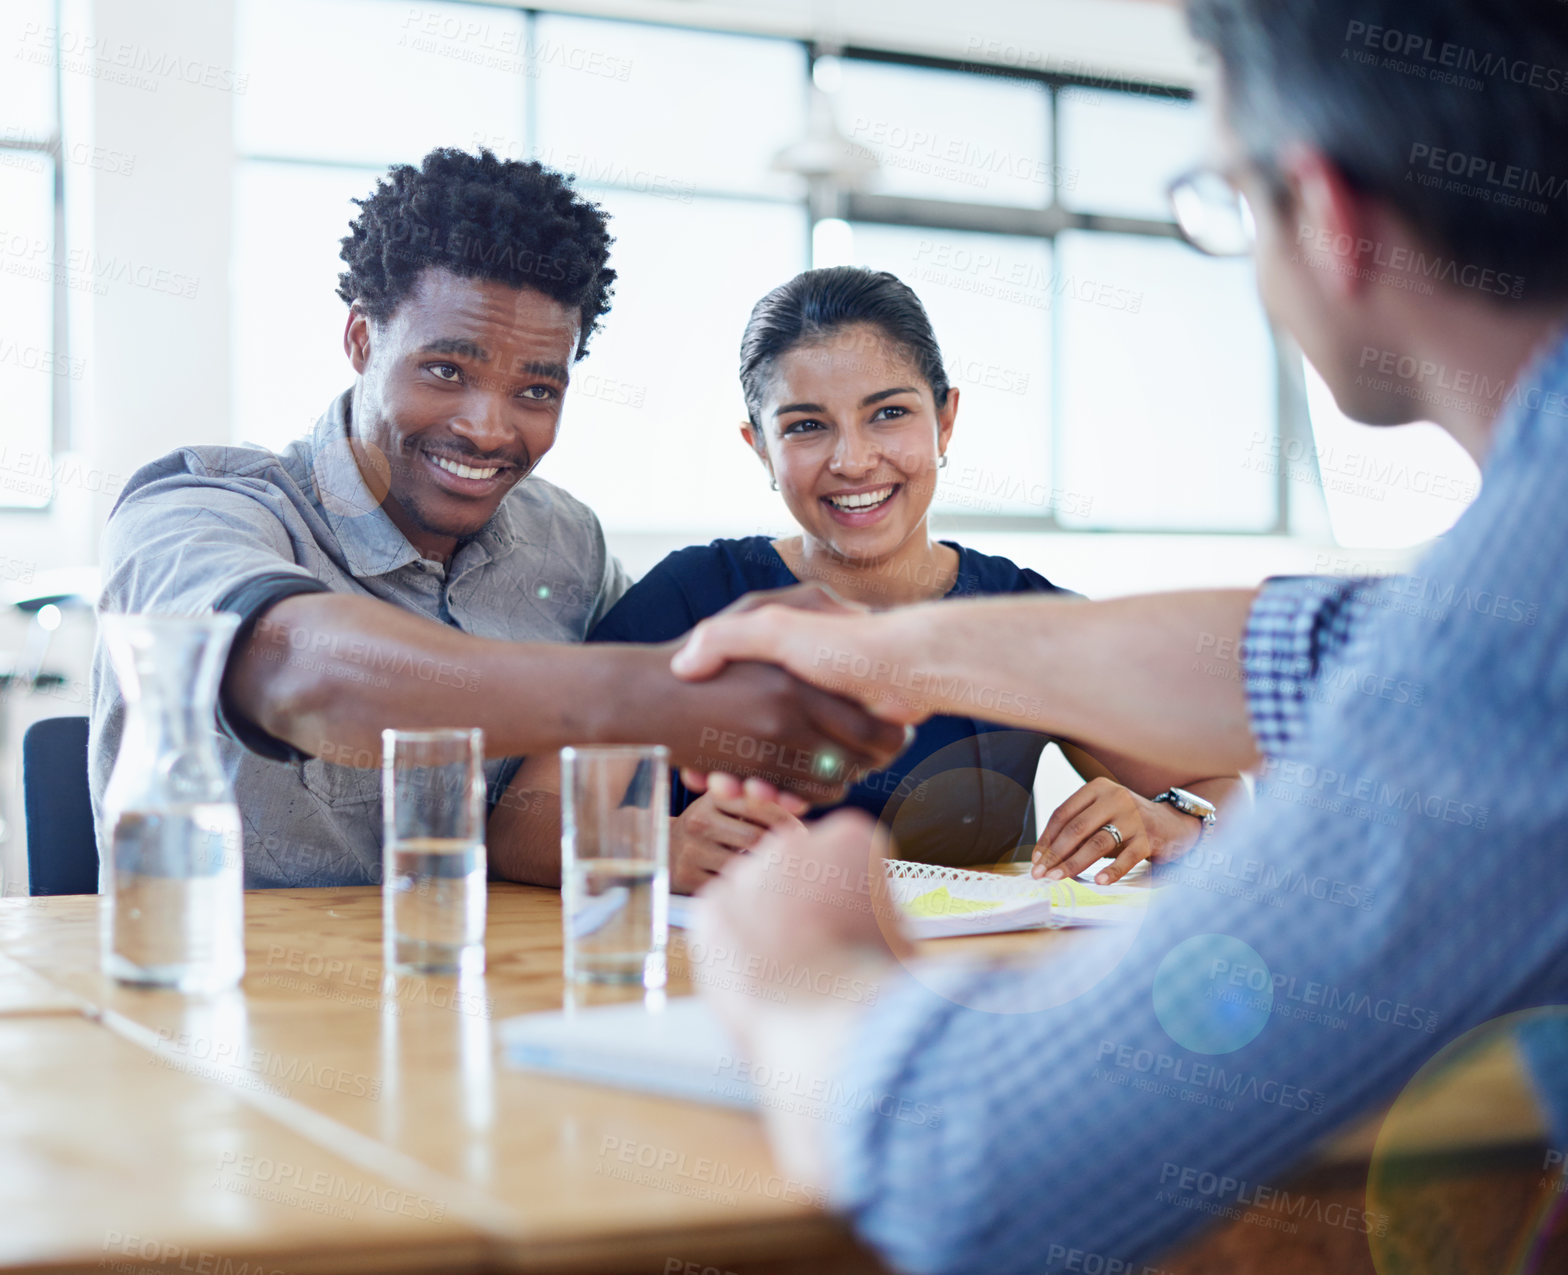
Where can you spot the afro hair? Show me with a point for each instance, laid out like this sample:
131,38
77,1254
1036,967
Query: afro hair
507,221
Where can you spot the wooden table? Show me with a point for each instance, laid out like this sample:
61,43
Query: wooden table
314,1121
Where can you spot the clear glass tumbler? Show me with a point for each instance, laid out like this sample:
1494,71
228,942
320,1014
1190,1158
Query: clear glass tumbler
433,814
615,863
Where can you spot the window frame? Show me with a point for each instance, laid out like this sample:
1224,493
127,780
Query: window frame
51,146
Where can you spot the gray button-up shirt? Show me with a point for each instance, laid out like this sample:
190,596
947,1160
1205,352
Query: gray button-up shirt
237,528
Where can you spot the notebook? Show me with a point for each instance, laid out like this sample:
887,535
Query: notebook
676,1048
940,902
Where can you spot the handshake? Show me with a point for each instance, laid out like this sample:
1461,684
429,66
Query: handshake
788,686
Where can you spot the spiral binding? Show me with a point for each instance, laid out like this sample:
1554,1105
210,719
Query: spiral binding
908,870
907,878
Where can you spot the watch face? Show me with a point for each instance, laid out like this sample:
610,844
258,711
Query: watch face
1191,804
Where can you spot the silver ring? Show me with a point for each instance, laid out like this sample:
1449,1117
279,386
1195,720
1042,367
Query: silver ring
1115,832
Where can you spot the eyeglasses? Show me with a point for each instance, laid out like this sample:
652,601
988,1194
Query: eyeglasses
1212,215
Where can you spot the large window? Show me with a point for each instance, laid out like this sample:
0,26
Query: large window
1110,378
672,131
329,105
35,367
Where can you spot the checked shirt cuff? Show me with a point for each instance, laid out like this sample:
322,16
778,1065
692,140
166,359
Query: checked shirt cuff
1296,625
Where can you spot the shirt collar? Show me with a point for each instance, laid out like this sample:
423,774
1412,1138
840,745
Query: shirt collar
966,583
371,543
1540,390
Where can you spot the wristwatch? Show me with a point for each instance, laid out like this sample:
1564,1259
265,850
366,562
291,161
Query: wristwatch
1189,803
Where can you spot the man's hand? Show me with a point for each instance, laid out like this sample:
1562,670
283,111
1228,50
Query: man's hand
749,719
795,966
806,596
774,928
1118,675
850,653
300,677
709,833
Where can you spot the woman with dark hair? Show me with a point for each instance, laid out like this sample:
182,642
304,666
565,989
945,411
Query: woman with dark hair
850,414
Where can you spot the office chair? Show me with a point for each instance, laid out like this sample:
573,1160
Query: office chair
62,855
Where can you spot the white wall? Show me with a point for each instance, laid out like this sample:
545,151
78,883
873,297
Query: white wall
152,330
1133,38
148,262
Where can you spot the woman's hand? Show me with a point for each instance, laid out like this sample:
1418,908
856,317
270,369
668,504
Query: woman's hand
1075,836
718,825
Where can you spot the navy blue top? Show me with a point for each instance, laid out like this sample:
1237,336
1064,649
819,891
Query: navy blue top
961,793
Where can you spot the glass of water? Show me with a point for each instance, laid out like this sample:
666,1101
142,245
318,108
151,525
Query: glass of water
433,814
615,863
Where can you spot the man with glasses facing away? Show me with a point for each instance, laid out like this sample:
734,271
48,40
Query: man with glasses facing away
1411,814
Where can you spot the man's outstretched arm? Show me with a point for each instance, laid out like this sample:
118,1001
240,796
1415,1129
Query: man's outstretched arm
326,673
1139,1069
1157,677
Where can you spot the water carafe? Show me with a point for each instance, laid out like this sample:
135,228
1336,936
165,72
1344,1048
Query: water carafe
174,912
